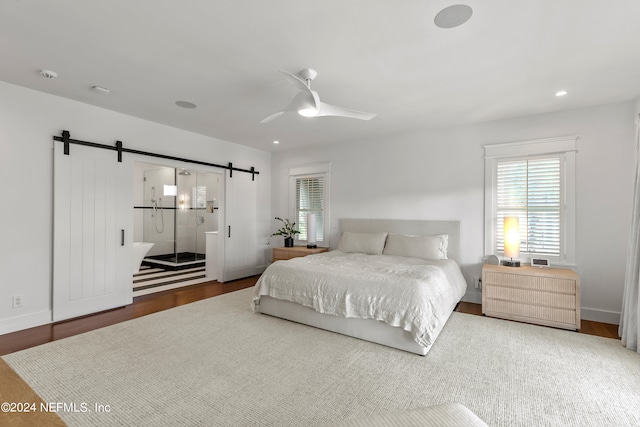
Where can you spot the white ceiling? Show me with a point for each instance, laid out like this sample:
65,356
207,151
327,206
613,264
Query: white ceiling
381,56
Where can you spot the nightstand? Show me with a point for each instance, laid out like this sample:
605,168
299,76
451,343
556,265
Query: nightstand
544,296
294,252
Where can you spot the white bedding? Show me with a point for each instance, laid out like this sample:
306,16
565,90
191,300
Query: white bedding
414,294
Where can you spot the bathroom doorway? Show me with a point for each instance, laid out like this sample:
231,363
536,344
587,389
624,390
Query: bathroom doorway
174,208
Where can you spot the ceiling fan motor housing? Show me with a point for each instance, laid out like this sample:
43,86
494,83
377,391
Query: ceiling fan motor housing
308,74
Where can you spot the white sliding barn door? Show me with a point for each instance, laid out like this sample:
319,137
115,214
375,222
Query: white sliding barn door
93,229
240,233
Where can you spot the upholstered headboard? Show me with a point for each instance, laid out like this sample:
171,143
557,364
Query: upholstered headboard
408,226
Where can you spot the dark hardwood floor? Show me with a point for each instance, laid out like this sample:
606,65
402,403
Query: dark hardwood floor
164,300
141,306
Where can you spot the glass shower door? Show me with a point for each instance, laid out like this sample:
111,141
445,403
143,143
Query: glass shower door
207,214
196,213
186,181
159,211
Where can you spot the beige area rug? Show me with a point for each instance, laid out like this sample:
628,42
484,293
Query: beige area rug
214,362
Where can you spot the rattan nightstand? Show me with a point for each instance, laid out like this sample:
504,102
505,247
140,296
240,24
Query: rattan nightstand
545,296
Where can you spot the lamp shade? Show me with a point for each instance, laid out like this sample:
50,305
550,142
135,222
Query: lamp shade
511,237
311,228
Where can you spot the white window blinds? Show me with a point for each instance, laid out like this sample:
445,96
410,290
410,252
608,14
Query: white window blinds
310,199
531,190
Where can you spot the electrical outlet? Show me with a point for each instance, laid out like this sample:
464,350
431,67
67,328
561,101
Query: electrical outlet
476,282
17,301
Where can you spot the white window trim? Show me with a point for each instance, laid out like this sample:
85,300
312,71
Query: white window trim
311,170
565,146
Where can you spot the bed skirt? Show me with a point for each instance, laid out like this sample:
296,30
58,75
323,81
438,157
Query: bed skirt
365,329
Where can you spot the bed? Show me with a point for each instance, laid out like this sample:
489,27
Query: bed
392,282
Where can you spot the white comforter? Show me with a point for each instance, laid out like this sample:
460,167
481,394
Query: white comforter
413,294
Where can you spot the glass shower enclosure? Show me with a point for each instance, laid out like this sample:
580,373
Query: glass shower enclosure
180,205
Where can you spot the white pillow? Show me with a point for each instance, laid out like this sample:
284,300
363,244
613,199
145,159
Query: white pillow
425,247
367,243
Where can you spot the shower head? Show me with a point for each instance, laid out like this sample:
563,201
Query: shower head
184,172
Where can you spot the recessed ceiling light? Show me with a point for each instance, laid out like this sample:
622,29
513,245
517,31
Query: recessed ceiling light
185,104
276,142
561,93
101,90
453,16
48,74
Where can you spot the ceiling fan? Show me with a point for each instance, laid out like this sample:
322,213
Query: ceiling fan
307,103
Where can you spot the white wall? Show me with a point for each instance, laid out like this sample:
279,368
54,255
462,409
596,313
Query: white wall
439,174
28,122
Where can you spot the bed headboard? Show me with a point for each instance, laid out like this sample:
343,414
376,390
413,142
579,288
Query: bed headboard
408,226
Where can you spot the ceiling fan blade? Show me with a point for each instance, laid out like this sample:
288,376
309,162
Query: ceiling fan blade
299,102
311,97
296,81
307,102
332,110
309,106
272,117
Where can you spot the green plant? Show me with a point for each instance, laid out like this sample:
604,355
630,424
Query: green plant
288,228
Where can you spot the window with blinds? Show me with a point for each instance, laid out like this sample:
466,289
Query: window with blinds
534,181
310,199
531,190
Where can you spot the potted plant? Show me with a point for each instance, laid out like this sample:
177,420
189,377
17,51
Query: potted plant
288,231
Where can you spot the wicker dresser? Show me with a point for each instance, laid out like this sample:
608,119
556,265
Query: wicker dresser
294,252
545,296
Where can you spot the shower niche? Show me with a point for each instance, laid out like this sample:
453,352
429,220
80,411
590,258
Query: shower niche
174,208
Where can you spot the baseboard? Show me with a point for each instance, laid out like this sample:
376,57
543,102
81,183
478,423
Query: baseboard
26,321
602,316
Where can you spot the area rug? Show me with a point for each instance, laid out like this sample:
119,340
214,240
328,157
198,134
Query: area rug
215,363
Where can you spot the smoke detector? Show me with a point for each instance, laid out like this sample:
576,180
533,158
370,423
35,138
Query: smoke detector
48,74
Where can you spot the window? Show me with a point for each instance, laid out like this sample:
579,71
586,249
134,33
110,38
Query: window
309,194
310,200
530,190
534,181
